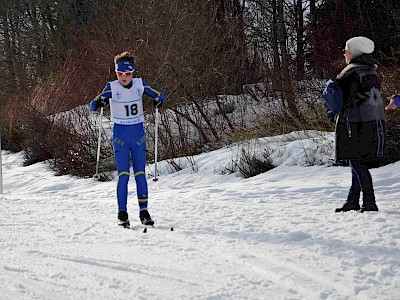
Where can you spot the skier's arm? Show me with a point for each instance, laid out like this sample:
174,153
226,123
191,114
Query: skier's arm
159,98
101,99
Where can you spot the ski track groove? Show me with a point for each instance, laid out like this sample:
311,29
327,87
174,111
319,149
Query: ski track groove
94,270
287,276
120,269
87,229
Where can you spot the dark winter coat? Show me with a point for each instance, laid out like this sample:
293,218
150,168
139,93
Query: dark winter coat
355,98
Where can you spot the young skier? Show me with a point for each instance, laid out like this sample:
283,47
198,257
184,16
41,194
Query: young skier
354,102
124,96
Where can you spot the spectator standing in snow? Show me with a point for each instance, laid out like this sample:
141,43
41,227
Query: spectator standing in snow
394,102
354,102
124,96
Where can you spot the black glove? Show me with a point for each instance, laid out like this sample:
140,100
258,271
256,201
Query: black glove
157,103
101,101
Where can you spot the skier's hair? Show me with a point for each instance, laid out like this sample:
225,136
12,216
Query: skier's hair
124,56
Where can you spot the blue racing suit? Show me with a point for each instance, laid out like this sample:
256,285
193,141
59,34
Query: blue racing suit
129,139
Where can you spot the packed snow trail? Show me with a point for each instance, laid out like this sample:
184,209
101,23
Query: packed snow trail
273,236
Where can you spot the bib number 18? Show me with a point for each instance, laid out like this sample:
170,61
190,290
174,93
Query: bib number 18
131,110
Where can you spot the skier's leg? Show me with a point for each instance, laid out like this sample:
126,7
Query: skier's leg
139,163
122,160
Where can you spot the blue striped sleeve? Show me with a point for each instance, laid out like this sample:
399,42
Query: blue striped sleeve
106,93
152,92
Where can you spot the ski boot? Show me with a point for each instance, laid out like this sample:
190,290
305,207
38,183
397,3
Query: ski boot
145,218
123,219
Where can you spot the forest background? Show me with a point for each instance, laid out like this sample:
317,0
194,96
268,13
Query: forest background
231,70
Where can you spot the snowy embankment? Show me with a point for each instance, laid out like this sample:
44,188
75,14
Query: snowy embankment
273,236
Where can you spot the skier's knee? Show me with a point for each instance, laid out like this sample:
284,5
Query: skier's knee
123,176
139,173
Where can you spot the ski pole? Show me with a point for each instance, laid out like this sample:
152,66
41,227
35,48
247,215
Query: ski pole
97,176
155,145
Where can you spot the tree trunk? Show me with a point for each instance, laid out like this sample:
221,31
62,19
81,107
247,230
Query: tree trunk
313,43
275,45
282,37
8,46
300,40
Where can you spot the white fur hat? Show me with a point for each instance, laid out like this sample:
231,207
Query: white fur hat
359,45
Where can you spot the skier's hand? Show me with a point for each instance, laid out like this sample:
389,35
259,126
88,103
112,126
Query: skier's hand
157,102
101,101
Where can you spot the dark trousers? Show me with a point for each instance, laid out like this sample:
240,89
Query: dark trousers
361,180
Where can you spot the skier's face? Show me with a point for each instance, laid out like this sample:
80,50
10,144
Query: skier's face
124,77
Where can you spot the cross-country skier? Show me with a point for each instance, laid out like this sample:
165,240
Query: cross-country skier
124,96
354,101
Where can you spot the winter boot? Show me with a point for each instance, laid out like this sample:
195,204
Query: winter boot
369,207
145,218
123,219
348,206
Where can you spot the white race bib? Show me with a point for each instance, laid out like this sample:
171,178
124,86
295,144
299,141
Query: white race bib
126,105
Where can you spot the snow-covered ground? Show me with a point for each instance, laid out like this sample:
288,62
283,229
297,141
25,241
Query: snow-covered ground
272,236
